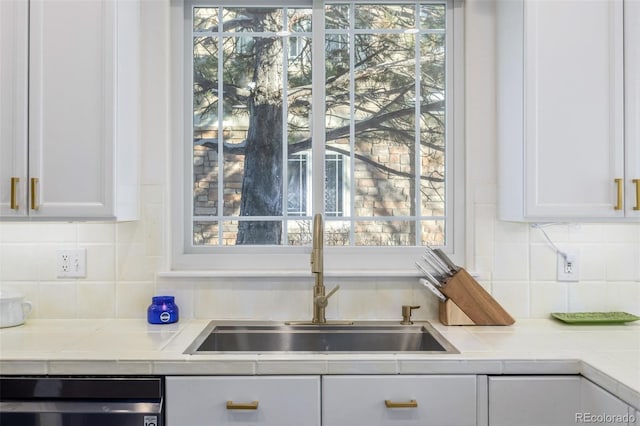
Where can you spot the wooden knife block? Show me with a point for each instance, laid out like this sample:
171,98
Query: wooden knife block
469,303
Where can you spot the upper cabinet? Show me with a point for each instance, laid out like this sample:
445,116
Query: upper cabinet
568,109
69,129
632,107
14,89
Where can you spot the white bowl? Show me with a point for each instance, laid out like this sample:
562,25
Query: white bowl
13,308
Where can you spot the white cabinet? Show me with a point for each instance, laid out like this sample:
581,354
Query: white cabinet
345,400
14,48
381,400
632,106
595,401
533,401
264,401
77,156
551,400
391,400
562,96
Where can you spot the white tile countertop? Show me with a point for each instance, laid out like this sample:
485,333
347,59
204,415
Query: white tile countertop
608,355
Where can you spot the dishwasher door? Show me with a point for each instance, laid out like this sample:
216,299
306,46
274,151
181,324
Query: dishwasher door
81,401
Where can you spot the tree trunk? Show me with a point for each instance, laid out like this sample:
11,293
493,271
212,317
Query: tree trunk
263,167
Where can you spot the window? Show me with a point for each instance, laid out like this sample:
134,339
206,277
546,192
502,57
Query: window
343,108
299,193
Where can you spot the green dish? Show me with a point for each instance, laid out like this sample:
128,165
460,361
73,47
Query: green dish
595,317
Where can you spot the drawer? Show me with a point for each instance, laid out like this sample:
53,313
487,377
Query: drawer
281,401
440,400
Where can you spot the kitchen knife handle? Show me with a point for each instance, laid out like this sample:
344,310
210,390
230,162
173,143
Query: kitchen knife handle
637,182
253,405
34,195
620,186
406,404
14,193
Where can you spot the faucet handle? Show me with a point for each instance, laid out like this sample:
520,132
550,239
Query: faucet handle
406,314
323,301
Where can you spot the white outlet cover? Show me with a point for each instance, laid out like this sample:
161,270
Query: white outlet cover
574,274
72,263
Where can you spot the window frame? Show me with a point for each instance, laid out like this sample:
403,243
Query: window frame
294,260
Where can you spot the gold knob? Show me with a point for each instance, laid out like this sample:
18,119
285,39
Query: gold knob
406,314
620,186
407,404
637,182
253,405
34,195
14,193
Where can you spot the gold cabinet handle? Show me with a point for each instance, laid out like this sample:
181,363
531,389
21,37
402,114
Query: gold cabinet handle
253,405
620,185
407,404
34,195
14,193
637,182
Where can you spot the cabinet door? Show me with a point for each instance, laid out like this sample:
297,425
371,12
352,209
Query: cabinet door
14,50
632,106
596,402
534,400
393,400
552,400
561,109
281,401
573,108
71,152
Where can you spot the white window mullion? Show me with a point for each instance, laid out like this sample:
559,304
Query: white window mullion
285,134
220,156
450,149
318,107
306,177
189,147
352,124
418,147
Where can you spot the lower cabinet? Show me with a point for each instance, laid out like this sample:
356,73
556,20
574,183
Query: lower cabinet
394,400
239,401
553,401
599,406
399,400
346,400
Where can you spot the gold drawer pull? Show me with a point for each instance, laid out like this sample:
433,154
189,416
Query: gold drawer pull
14,193
34,195
637,182
253,405
408,404
620,186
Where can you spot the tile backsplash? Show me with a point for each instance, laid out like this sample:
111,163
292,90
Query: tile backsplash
512,260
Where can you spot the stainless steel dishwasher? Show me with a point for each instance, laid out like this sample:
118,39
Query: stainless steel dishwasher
81,401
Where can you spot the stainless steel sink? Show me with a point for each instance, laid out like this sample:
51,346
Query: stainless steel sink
253,337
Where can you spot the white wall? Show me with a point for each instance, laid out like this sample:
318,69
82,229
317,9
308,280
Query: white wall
513,261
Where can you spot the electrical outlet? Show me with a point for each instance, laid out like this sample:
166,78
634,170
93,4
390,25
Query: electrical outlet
568,267
72,263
